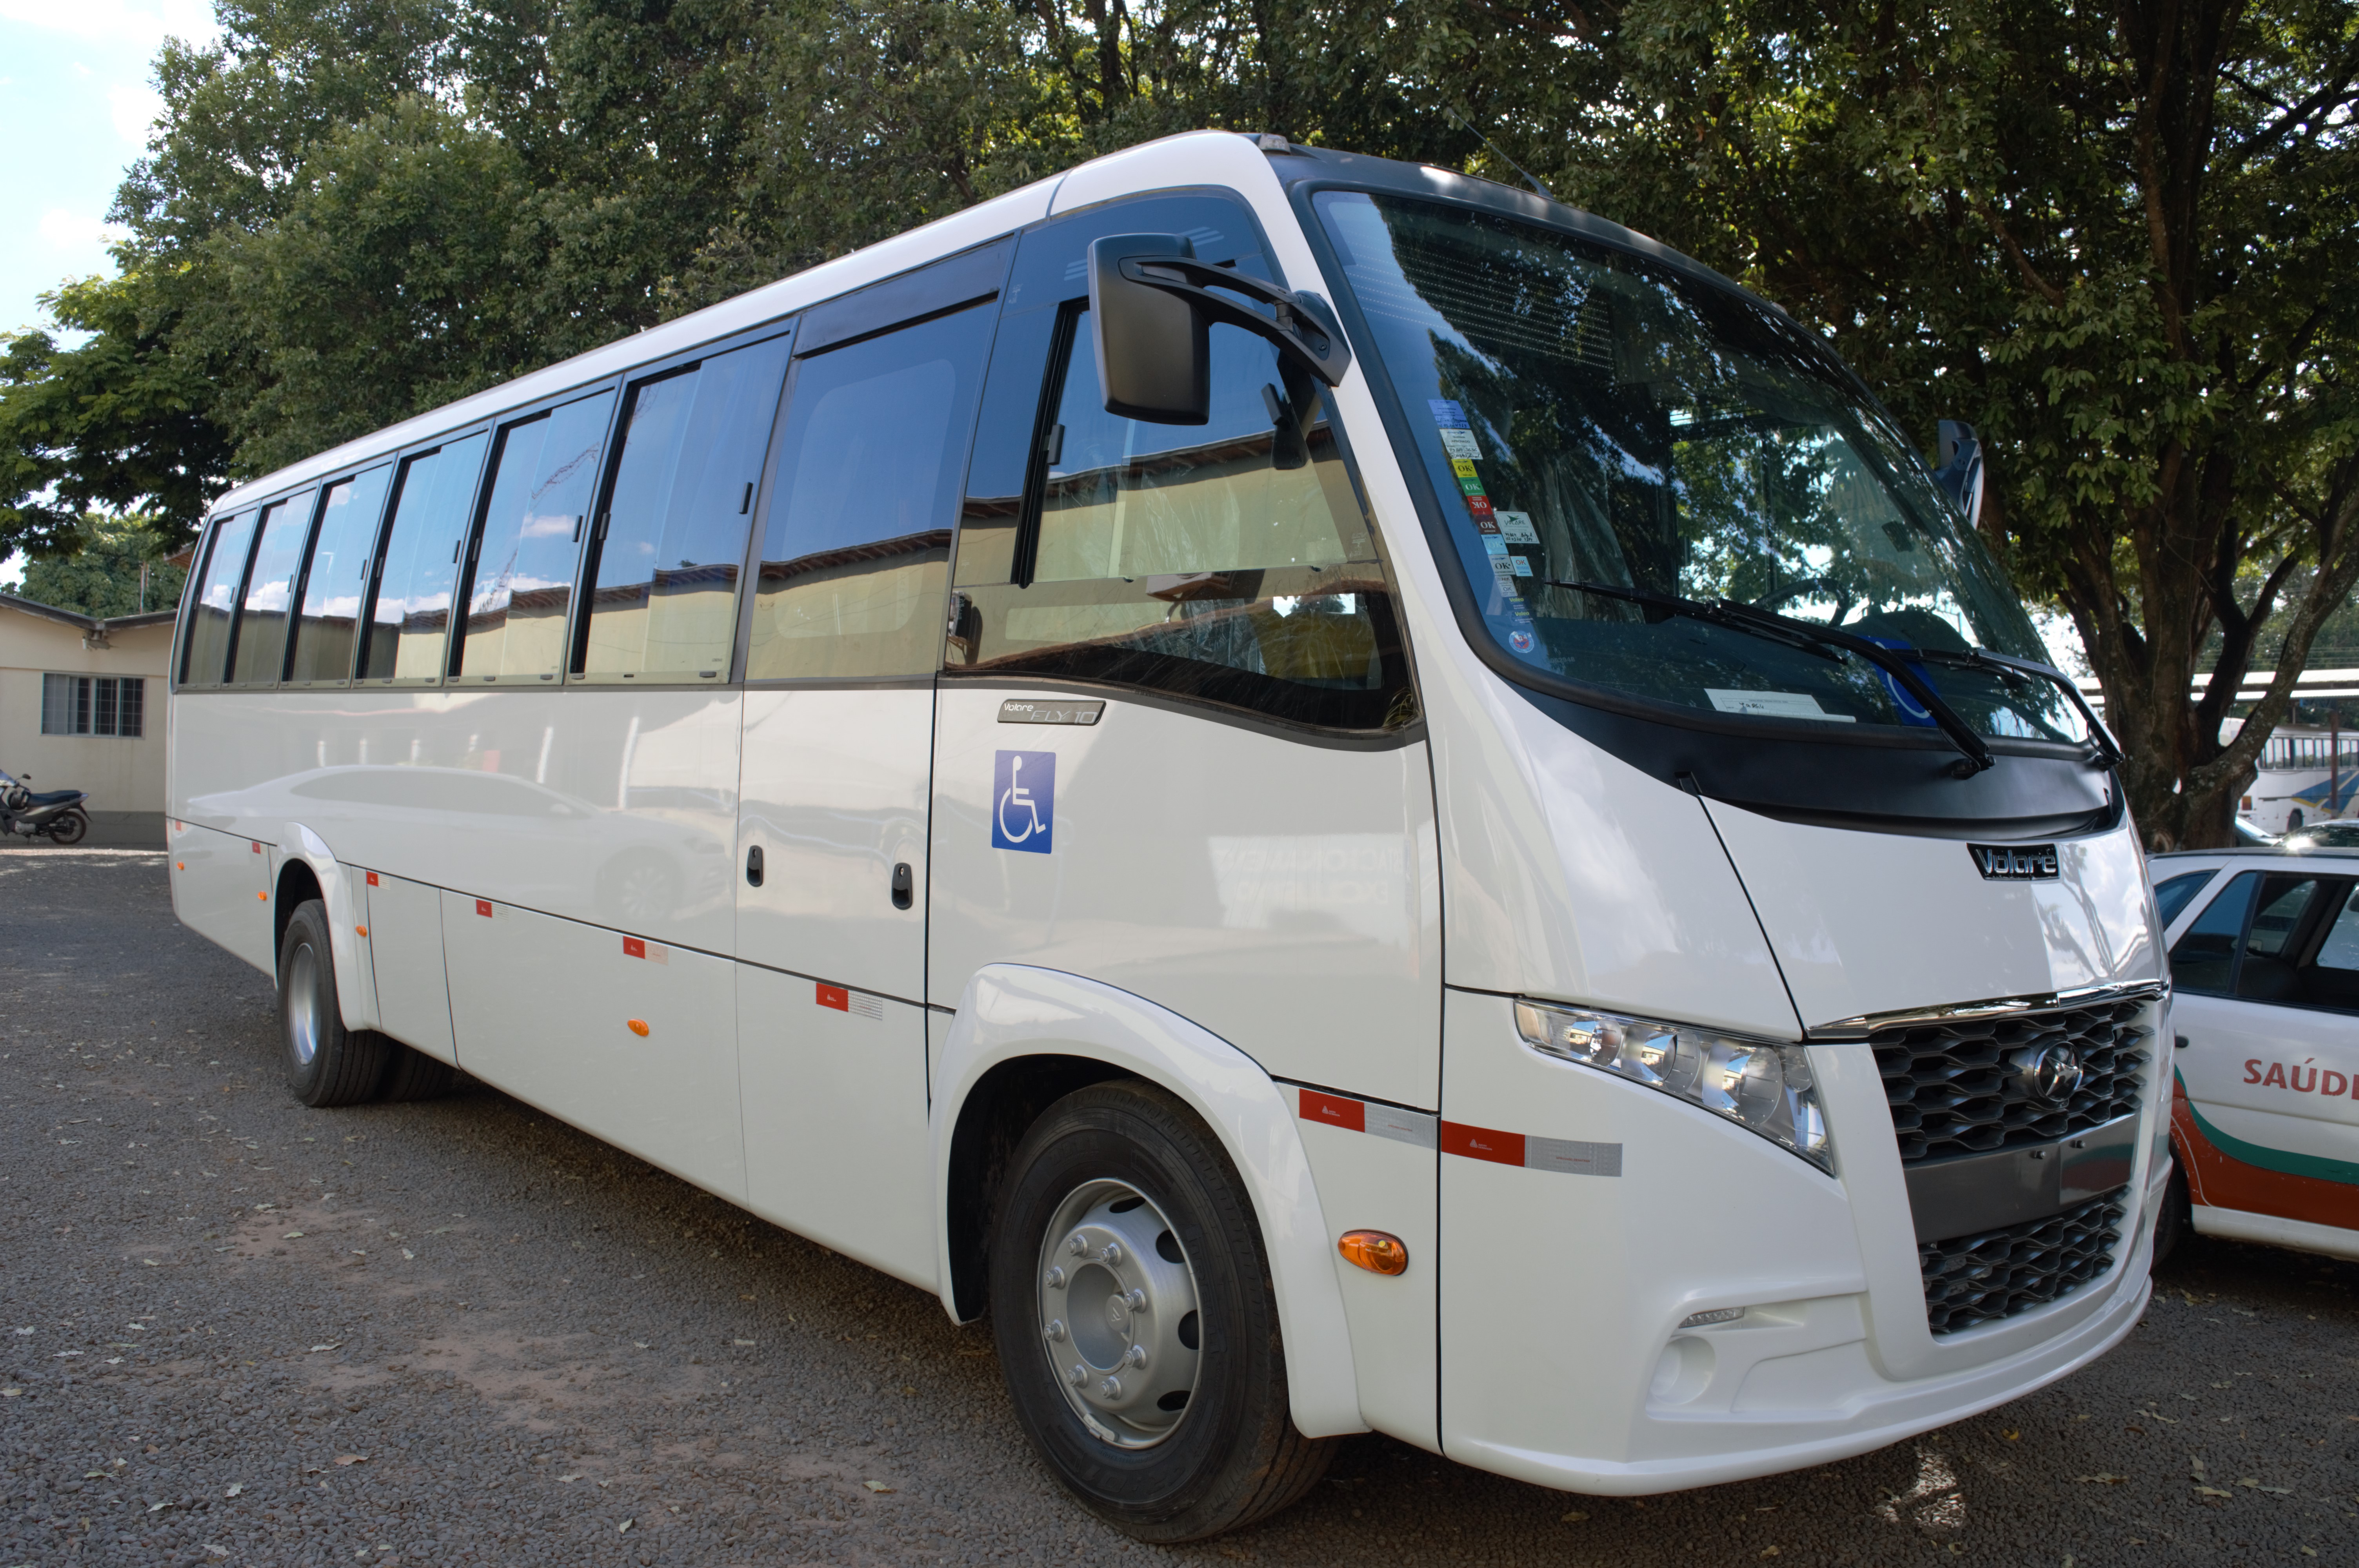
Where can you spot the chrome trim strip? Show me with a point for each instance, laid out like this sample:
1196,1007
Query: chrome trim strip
1860,1028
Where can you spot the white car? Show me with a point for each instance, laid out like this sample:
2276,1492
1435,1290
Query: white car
2265,1114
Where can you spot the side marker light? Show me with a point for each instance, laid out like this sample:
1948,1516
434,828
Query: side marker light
362,929
263,896
1373,1251
180,865
638,1026
1700,1319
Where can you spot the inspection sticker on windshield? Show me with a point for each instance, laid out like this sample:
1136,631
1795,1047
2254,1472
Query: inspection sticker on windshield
1516,527
1459,443
1774,705
1447,414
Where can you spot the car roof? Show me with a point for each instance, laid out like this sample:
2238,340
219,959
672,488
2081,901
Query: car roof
2262,852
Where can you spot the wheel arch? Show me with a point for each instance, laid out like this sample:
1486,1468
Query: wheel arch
309,868
1024,1038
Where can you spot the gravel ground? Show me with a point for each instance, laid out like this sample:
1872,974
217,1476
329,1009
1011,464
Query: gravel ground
234,1330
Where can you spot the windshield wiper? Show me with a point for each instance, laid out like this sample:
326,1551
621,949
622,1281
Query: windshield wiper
1827,642
2007,666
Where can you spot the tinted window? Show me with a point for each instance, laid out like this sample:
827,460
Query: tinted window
2204,958
410,620
854,560
2171,896
214,604
2283,923
336,578
671,539
258,641
521,569
1228,561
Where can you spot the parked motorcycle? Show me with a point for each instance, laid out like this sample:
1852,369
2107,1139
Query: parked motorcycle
57,816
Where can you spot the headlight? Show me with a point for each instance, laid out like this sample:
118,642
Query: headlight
1760,1085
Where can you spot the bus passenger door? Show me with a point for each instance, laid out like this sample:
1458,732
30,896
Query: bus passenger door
846,621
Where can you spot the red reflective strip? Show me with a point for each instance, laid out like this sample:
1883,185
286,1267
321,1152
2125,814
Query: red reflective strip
483,907
372,877
257,848
1334,1111
633,948
835,997
1481,1144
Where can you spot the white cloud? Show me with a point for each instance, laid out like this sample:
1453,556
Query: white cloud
134,111
68,230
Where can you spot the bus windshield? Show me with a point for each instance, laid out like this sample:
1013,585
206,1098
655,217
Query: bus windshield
1614,440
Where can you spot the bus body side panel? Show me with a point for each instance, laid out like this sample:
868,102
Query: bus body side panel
1373,1166
834,1091
616,807
1010,1010
405,940
1274,891
221,888
629,1040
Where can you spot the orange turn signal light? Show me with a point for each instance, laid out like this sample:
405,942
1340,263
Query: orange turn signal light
362,929
263,896
638,1026
1376,1250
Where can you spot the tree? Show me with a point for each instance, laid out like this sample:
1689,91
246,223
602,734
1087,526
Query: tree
119,570
119,423
2116,238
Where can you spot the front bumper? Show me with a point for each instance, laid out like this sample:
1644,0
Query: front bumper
1606,1390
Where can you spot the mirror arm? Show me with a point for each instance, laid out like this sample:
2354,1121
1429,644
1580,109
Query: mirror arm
1299,322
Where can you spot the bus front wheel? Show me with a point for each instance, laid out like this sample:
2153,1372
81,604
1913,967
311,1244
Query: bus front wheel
327,1064
1135,1322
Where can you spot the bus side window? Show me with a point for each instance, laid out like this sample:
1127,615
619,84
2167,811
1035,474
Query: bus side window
205,655
409,611
258,641
520,567
336,577
1229,561
854,560
670,540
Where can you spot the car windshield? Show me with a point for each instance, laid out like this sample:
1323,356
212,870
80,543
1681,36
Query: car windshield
1610,436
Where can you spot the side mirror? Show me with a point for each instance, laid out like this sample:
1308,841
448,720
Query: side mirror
1152,305
1153,348
1961,470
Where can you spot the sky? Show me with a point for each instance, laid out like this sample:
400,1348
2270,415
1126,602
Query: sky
77,95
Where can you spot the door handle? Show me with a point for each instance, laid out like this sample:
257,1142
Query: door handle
904,886
754,866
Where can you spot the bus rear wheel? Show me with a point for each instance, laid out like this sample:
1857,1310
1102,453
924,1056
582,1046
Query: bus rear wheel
327,1064
1135,1321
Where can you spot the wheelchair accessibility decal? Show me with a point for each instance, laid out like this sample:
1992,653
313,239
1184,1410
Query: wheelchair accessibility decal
1024,800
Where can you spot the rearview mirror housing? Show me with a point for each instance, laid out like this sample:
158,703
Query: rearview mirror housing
1961,470
1154,348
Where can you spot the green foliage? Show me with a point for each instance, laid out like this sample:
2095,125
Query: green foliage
102,577
121,421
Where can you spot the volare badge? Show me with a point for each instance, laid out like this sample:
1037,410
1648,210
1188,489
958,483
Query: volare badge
1024,800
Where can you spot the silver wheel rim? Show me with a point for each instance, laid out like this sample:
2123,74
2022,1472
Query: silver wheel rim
1117,1314
303,1005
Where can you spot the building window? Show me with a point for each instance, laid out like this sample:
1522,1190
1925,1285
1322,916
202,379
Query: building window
93,705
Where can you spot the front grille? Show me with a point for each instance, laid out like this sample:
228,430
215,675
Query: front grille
1955,1091
1981,1278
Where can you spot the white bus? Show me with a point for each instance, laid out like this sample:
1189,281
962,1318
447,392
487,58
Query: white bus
1345,798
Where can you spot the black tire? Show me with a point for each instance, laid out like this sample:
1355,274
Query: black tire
414,1075
68,828
327,1064
2176,1219
1234,1457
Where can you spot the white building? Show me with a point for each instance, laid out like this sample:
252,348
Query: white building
81,706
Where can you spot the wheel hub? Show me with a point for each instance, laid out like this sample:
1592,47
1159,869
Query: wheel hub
1119,1314
303,1005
